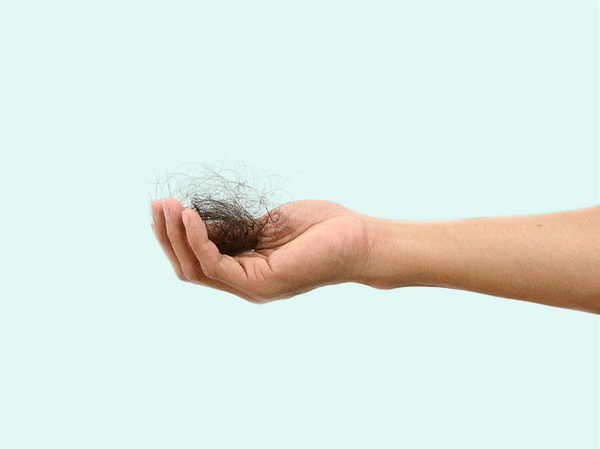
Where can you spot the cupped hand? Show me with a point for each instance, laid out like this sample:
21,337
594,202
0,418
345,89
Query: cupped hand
314,243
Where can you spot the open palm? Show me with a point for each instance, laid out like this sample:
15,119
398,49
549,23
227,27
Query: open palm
315,243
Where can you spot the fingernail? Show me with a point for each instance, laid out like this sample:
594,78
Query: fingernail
166,210
186,220
154,216
152,226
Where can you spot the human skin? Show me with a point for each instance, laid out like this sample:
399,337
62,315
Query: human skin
551,259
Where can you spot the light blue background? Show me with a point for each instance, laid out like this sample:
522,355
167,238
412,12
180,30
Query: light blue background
403,110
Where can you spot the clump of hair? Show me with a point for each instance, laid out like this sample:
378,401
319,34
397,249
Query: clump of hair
233,203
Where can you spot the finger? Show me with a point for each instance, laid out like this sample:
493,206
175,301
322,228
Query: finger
189,265
176,233
160,232
215,265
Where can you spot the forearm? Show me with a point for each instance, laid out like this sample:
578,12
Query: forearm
551,259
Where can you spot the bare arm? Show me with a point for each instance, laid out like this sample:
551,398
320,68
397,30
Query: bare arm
551,259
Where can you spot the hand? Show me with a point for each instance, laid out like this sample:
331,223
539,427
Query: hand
317,243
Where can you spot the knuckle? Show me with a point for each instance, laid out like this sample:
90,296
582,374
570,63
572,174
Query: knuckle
181,276
188,275
264,296
257,299
209,271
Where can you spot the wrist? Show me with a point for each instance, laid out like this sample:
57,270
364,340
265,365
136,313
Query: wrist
404,253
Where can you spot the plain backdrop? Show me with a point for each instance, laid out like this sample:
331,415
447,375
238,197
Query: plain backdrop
408,110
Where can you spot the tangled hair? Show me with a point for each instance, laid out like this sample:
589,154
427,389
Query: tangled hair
233,203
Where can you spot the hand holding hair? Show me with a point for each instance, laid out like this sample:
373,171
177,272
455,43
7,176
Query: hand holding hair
310,244
551,259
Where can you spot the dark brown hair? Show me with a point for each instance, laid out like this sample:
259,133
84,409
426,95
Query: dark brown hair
235,204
